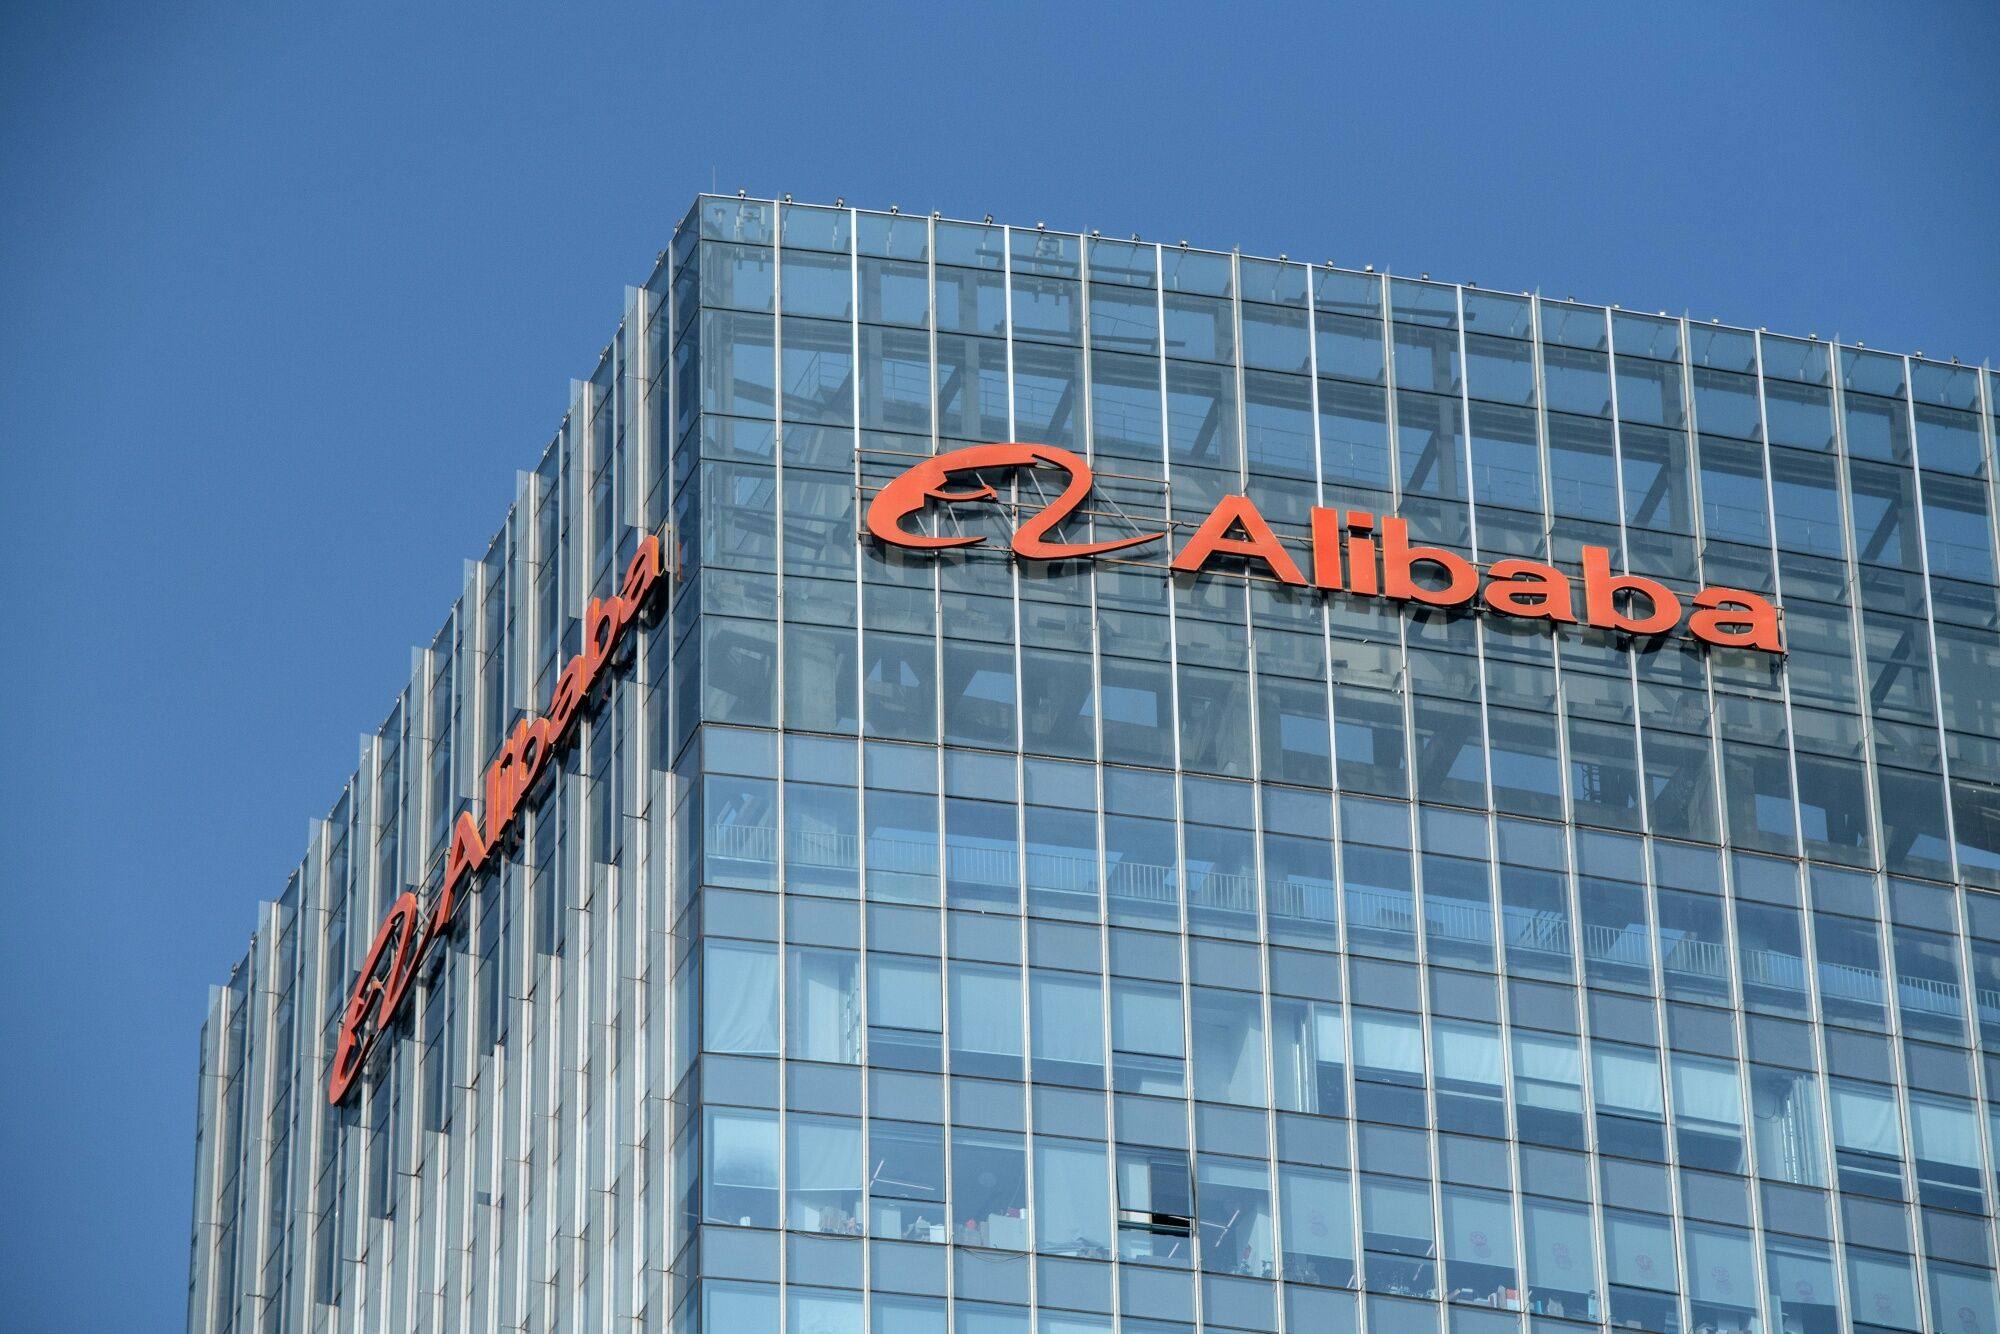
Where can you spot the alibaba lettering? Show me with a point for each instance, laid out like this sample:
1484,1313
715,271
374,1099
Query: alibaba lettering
1351,552
407,934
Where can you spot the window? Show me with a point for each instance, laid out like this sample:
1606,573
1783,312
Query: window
1234,1200
1308,1056
1466,1067
1073,1214
1066,1028
1630,1112
1639,1257
1147,1050
904,1013
1785,1107
1318,1210
740,998
906,1181
1155,1207
1944,1144
1479,1247
824,1191
1397,1232
1708,1113
1867,1138
823,1006
1548,1089
989,1190
1228,1030
1722,1279
1388,1067
740,1168
985,1020
1562,1259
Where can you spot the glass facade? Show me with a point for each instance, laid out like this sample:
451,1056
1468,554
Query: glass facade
914,943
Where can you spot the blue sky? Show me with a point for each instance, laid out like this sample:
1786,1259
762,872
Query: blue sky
288,295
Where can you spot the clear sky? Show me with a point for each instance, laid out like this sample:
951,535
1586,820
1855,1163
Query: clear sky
287,295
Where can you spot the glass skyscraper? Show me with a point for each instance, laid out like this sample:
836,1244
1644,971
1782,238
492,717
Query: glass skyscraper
910,941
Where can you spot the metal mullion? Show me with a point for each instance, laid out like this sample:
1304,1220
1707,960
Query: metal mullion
315,964
1739,1017
778,852
1837,393
1630,648
640,466
1851,568
948,1082
1020,838
1930,630
1418,900
1898,1088
1257,885
1572,887
1196,1267
1502,992
1809,944
1677,1221
1651,879
1326,636
1339,943
861,957
1103,928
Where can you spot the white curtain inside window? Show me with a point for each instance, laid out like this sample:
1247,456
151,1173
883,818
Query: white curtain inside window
1944,1131
985,1009
1864,1119
1548,1072
1388,1042
1628,1080
826,1153
1146,1018
740,998
1707,1093
743,1149
903,992
1066,1017
1469,1053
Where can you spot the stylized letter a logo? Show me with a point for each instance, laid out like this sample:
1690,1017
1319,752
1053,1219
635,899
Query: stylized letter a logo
927,481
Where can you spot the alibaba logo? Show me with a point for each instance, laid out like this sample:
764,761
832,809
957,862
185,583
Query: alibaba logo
930,481
1350,554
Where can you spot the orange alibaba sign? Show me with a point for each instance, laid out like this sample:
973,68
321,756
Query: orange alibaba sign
409,933
1350,551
